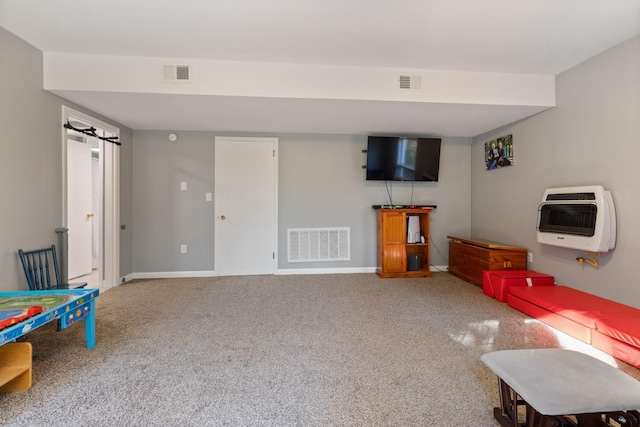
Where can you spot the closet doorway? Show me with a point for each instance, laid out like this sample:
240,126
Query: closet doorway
91,199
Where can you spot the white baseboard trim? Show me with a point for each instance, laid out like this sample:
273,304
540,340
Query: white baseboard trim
169,274
125,279
282,271
434,268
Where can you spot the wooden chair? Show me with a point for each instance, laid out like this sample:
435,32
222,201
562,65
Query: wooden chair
41,269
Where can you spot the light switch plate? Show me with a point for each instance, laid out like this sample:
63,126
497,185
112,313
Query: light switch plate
183,186
208,197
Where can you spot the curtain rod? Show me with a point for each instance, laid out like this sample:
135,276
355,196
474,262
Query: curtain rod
91,131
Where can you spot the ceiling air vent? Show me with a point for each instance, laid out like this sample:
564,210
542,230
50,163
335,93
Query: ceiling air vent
410,82
176,73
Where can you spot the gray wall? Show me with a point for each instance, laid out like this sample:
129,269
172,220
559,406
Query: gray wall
164,217
321,184
31,160
590,137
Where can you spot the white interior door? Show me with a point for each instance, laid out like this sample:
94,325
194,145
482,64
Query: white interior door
245,205
79,207
96,208
109,229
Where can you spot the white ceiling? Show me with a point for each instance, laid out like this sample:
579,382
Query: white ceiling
507,36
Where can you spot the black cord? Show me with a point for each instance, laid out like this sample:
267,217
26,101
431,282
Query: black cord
437,249
91,131
389,188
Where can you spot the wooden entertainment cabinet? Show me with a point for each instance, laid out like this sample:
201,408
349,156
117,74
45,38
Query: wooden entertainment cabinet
393,249
469,258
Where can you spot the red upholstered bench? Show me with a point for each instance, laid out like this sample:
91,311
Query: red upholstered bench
619,337
610,326
496,283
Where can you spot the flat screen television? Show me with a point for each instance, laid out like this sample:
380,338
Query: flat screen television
391,158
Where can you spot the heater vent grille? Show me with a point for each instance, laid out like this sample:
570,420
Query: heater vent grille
573,219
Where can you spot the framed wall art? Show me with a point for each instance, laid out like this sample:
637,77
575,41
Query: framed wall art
499,152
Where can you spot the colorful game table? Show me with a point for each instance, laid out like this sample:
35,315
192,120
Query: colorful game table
22,312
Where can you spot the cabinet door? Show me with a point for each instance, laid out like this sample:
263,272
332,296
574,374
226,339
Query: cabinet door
393,236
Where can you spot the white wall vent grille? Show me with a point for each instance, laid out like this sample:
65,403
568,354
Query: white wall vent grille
410,82
319,244
176,73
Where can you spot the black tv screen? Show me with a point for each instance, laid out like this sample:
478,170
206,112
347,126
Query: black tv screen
391,158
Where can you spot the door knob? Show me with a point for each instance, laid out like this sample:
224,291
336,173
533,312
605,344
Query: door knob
90,215
222,217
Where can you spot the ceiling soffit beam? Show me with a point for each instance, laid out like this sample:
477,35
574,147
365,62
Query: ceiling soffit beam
102,73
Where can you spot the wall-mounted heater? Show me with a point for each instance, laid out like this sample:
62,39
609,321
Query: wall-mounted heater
581,218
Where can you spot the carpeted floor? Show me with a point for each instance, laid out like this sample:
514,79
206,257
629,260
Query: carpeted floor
312,350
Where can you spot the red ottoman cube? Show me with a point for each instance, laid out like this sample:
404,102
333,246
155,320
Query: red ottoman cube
496,283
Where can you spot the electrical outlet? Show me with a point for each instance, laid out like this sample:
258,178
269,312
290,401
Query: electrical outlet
183,249
529,256
208,197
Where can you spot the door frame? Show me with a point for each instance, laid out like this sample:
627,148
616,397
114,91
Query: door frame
275,142
110,272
